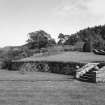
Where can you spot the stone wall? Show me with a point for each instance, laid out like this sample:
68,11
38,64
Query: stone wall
100,75
53,67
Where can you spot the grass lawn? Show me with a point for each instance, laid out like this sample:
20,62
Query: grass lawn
72,56
48,89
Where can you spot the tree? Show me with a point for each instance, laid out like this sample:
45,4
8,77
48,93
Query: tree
87,46
51,42
38,39
71,40
61,38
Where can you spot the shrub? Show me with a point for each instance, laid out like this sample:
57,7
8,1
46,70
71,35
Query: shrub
6,64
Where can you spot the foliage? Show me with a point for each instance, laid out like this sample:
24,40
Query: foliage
38,39
94,35
6,64
62,38
71,40
87,47
52,42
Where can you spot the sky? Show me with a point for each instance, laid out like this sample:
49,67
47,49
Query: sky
19,17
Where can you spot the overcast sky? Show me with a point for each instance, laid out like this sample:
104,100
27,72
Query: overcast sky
19,17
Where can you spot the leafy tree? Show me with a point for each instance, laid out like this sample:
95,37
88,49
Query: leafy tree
51,42
94,37
71,40
87,46
61,38
103,32
38,39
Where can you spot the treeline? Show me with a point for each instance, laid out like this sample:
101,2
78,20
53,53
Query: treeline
93,37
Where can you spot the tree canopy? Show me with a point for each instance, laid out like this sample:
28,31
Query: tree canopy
94,35
39,39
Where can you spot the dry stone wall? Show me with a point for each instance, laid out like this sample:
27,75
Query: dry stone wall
54,67
100,75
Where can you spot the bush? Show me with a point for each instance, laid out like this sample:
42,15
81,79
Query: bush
6,64
87,47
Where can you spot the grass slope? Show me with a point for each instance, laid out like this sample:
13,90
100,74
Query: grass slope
79,57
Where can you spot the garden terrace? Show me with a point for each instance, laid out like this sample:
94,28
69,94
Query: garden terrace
65,57
62,63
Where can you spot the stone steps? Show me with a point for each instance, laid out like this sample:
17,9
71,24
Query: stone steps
87,79
88,72
88,68
95,74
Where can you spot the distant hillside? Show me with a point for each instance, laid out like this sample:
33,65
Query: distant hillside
94,35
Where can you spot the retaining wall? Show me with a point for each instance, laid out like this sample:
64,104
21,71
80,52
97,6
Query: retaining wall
53,67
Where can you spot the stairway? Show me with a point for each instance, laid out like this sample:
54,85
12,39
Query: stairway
87,73
88,77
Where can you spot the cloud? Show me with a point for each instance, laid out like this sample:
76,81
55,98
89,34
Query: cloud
97,10
75,12
81,13
97,7
68,7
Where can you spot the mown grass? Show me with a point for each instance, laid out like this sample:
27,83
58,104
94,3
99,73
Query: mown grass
48,89
72,56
